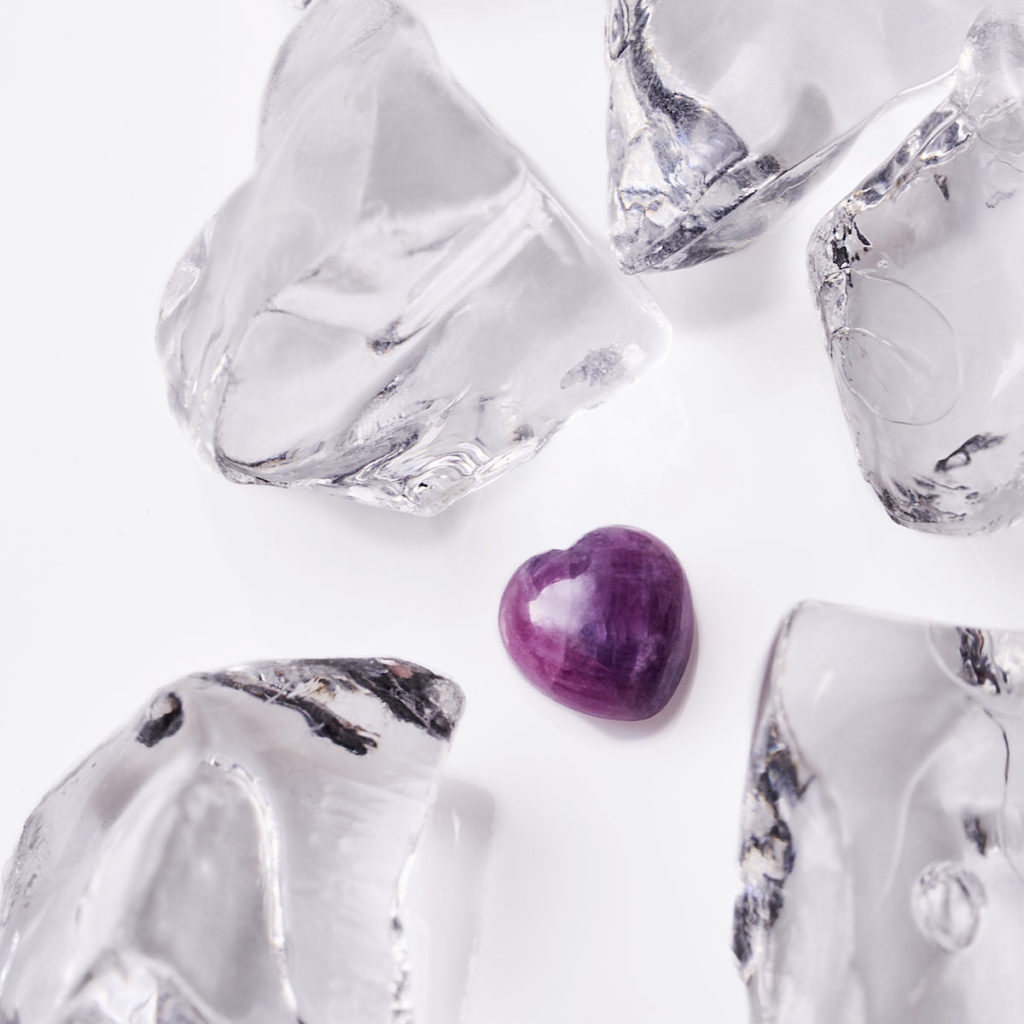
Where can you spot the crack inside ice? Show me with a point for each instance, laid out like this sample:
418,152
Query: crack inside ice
235,855
394,306
917,279
882,841
723,111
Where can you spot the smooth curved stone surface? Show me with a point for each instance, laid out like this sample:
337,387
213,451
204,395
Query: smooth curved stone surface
722,111
232,854
605,627
394,306
918,283
883,826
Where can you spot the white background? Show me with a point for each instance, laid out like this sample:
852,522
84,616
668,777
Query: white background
610,850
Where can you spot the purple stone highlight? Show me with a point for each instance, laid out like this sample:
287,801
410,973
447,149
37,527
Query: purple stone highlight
605,627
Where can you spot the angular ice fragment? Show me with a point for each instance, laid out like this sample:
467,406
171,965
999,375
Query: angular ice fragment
883,827
723,110
918,283
234,854
394,305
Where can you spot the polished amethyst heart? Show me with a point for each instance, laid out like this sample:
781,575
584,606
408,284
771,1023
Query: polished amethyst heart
605,627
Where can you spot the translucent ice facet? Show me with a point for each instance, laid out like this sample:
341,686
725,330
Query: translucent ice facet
393,306
722,110
234,854
883,827
918,283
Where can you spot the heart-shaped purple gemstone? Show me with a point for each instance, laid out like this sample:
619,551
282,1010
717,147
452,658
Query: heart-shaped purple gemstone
605,627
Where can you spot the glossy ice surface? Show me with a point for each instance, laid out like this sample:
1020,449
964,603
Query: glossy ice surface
135,529
721,112
604,627
393,306
883,828
918,282
233,854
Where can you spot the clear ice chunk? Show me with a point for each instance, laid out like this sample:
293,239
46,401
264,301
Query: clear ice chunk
394,306
723,110
234,854
917,280
883,826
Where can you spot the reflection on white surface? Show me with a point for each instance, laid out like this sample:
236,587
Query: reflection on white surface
443,901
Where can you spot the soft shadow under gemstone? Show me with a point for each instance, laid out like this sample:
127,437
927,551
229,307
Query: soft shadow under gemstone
605,627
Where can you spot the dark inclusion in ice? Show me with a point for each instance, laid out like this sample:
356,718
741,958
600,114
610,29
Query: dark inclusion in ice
234,854
917,276
394,306
723,110
883,826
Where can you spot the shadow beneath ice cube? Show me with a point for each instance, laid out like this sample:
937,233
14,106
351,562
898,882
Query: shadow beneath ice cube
728,290
444,898
389,525
664,719
303,521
